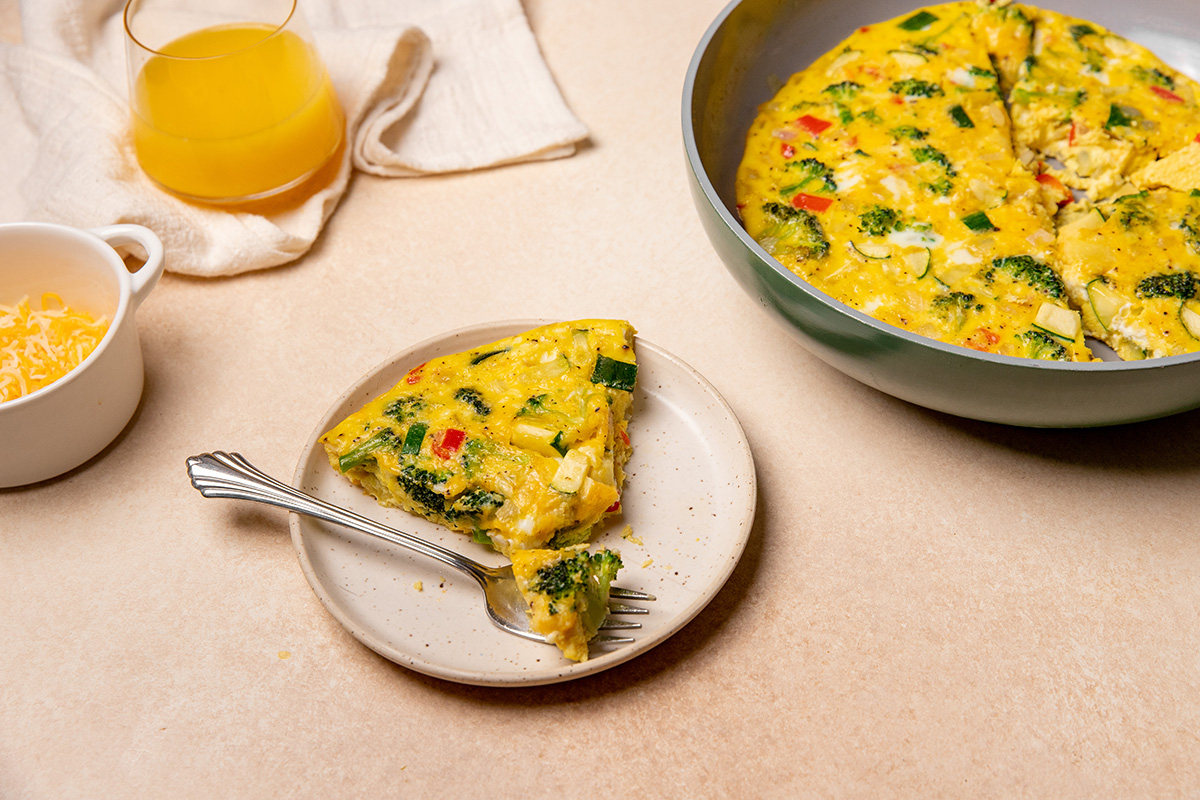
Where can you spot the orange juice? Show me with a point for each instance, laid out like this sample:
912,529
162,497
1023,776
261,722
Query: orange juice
234,112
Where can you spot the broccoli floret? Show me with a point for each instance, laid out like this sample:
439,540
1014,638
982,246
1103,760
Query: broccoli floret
1154,76
811,170
932,154
1169,284
1080,31
404,408
1033,272
954,307
846,90
534,405
1042,345
941,187
1131,210
579,582
1190,225
417,482
476,501
913,87
878,220
794,231
908,132
474,400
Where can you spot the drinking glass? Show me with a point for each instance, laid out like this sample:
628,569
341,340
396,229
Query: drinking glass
230,100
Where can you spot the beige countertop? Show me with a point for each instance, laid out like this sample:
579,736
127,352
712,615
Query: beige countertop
927,606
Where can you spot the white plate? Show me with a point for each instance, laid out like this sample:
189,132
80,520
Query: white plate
689,497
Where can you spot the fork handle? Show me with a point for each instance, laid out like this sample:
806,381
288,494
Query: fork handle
229,475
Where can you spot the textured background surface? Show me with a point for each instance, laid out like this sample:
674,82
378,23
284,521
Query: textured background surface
927,607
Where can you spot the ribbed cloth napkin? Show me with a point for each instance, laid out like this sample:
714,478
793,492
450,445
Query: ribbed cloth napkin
428,86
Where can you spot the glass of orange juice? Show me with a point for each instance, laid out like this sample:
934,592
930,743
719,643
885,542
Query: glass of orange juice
230,100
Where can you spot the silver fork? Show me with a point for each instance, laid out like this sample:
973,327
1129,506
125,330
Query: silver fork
230,475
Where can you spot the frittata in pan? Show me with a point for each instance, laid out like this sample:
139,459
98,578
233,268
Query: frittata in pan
920,171
520,443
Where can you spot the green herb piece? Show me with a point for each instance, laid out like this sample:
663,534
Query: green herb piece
1080,31
485,356
978,222
413,439
918,22
1117,118
365,450
960,117
610,372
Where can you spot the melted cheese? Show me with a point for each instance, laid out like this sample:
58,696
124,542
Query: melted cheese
37,347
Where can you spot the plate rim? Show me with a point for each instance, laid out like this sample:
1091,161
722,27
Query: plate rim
486,332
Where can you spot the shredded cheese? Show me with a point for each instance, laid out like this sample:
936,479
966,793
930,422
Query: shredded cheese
37,347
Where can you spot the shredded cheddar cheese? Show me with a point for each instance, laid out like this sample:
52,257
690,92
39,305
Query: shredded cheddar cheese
37,347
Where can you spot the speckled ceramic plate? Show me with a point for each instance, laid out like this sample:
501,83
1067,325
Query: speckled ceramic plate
689,497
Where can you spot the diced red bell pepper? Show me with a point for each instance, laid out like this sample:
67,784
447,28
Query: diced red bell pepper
414,374
787,150
1071,137
613,507
1061,193
813,125
624,436
1166,94
811,202
449,444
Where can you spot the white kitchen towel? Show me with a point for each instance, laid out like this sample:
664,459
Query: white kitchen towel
428,86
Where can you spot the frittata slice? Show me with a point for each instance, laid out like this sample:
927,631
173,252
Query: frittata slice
567,591
885,176
1133,266
521,442
1100,105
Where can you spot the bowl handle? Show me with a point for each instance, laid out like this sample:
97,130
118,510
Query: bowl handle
144,279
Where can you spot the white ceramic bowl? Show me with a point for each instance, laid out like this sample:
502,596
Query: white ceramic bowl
62,425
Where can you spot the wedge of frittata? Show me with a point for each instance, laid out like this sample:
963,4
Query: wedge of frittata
1132,264
520,443
1102,107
